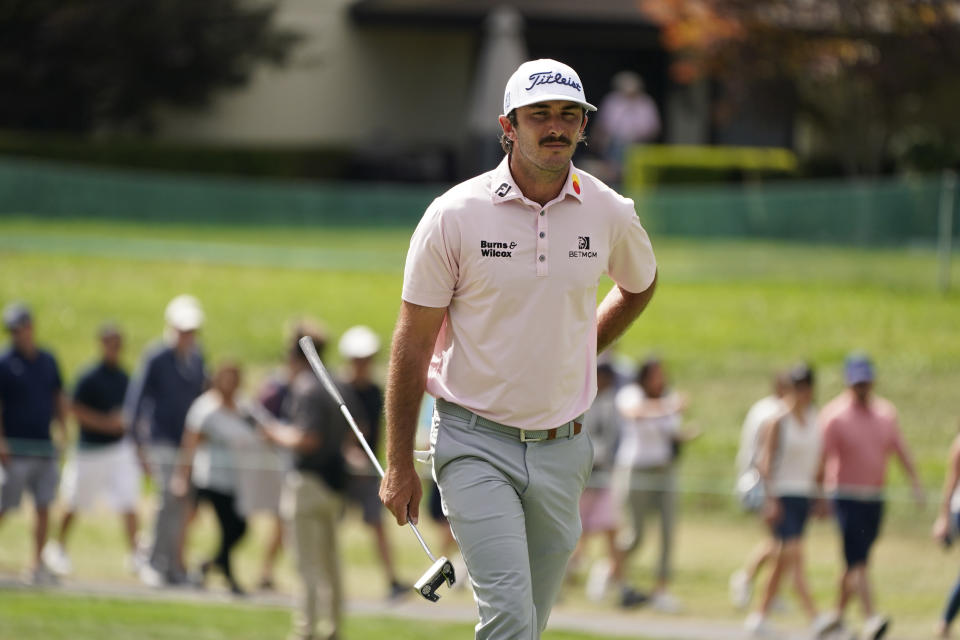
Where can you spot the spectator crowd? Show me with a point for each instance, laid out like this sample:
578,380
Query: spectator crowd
286,453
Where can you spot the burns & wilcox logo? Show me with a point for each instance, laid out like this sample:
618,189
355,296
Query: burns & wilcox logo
490,249
583,248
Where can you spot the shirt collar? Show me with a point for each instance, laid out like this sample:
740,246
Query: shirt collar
503,188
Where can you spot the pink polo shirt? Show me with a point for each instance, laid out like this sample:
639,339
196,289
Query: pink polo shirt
857,443
519,281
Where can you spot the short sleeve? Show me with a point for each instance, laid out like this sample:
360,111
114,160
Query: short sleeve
632,264
829,441
84,393
309,408
57,378
198,413
629,399
432,267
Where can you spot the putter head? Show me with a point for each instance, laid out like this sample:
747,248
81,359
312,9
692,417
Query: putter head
441,571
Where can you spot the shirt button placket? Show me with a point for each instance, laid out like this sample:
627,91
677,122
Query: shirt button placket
542,244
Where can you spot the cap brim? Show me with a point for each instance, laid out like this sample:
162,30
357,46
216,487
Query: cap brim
554,96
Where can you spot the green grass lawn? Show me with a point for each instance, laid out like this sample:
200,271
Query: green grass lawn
725,315
52,616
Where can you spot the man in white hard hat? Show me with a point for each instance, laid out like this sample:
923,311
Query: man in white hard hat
358,346
499,322
170,377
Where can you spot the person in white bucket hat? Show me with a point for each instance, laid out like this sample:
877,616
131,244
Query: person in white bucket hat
359,346
499,322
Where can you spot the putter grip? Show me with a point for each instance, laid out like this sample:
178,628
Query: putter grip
309,350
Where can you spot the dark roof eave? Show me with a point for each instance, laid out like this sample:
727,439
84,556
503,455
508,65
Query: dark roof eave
470,15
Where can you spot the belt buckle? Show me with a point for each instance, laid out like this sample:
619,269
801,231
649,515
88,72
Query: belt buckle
524,438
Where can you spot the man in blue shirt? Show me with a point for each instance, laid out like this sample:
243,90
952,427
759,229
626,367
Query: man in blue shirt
170,378
31,399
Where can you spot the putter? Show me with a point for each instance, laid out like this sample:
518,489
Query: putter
442,569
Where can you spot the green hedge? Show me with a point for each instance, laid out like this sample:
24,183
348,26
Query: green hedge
328,163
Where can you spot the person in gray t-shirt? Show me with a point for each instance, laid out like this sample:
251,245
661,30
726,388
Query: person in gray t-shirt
217,435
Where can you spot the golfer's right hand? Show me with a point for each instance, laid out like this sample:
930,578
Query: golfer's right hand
400,492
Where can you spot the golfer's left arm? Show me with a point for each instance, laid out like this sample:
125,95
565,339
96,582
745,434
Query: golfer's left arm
617,312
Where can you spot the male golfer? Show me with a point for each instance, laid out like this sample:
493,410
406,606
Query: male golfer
499,322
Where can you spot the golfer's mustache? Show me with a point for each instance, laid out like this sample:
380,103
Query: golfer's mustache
549,139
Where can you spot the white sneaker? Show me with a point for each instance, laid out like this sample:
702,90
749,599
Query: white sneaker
876,627
55,557
757,626
151,577
740,589
824,625
41,576
135,562
598,580
665,603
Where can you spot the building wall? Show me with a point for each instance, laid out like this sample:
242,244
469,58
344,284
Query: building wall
345,86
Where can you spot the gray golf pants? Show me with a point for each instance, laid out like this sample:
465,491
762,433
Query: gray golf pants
170,515
514,510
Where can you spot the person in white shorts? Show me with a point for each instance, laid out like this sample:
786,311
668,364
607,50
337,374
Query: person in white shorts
499,322
105,462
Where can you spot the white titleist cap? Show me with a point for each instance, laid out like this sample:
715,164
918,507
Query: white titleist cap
184,313
359,342
541,80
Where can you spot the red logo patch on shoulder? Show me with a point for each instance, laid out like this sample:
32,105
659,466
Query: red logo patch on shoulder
576,184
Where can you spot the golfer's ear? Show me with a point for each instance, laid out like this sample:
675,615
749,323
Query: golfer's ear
507,126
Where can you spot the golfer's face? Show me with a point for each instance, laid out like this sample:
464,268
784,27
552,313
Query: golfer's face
547,133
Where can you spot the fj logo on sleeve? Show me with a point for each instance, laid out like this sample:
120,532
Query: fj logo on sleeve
503,189
490,249
583,249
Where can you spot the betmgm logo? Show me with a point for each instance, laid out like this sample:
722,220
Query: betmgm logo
490,249
583,249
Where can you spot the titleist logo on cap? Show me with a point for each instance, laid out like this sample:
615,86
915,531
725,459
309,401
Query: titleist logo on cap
549,77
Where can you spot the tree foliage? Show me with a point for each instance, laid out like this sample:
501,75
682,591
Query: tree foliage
79,65
875,77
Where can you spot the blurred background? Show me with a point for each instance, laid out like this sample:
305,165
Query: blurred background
794,162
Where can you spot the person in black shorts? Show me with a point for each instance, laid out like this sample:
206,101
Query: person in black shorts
861,432
358,346
788,464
